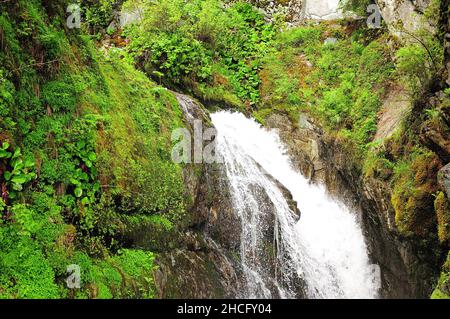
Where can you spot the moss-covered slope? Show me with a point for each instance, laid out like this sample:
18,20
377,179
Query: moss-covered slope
85,153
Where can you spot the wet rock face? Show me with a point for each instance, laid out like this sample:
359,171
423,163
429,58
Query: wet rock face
435,134
407,270
202,261
201,269
213,214
202,258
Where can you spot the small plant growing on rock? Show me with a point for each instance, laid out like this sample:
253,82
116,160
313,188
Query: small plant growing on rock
18,173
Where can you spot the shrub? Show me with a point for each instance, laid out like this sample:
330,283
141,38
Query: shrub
182,42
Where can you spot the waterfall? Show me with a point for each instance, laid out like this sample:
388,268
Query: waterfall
324,249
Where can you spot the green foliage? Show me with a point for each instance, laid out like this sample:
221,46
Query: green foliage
183,42
7,92
414,66
18,172
442,290
92,133
297,37
442,208
433,11
357,6
412,199
420,61
341,83
97,14
342,86
138,160
175,57
59,96
25,271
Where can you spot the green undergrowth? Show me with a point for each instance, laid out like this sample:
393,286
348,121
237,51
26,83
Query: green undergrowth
339,83
84,147
204,47
85,163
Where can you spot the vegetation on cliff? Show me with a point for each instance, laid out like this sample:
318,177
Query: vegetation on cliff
85,136
85,153
203,48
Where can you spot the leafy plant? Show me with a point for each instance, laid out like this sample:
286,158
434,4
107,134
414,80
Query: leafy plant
196,43
4,150
20,170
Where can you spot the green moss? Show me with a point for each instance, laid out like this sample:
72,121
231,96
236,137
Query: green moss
442,290
135,142
414,184
442,208
59,96
340,84
26,273
88,120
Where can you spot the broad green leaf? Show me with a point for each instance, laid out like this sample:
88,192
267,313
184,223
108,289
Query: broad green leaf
4,154
81,144
92,156
19,179
7,175
78,192
29,163
18,164
17,153
17,187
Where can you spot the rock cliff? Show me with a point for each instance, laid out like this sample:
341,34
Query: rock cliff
407,269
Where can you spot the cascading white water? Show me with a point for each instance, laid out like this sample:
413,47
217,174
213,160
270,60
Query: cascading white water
326,248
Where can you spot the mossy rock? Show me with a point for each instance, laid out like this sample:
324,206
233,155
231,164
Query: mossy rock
412,196
442,290
442,208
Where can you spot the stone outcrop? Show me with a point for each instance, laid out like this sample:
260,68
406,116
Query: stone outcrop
409,13
297,11
435,134
396,105
322,9
293,10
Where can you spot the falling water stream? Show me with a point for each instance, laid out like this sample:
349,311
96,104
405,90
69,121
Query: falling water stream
325,248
